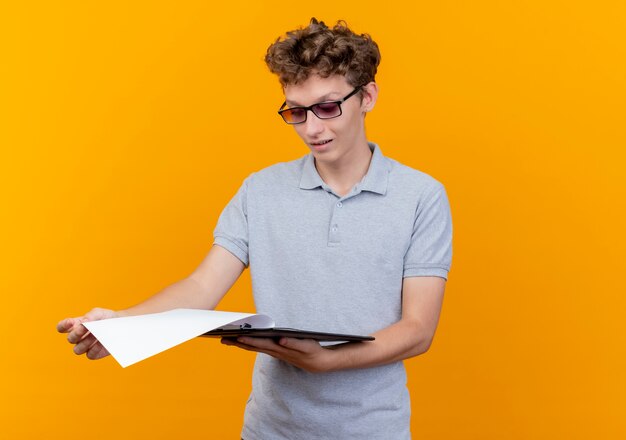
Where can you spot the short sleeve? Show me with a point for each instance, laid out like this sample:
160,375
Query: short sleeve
430,250
231,231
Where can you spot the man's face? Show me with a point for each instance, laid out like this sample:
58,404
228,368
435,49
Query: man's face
329,139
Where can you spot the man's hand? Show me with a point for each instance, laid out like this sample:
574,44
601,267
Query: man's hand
79,335
307,354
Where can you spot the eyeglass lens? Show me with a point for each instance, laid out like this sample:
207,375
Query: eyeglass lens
323,110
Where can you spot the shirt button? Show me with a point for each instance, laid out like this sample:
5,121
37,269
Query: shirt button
339,205
334,229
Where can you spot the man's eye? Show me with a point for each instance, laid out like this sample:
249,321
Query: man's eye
297,112
326,109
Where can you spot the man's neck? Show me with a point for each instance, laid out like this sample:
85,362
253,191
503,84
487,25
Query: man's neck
343,174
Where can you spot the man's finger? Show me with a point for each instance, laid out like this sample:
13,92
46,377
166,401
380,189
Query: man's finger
264,343
97,351
250,347
77,333
85,344
300,345
65,325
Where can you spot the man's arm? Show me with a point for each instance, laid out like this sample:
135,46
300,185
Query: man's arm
203,289
422,298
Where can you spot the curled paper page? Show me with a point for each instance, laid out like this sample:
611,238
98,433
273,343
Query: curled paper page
134,338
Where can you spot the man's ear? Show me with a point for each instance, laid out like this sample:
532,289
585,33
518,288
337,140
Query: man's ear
369,96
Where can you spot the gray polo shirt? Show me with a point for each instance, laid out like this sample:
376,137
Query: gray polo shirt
323,262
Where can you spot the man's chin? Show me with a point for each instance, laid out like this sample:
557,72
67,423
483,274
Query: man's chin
322,156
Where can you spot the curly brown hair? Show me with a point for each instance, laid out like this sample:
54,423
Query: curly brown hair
318,49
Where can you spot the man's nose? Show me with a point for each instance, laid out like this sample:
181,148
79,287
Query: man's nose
313,124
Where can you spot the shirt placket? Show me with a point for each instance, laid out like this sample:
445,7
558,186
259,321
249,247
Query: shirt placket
338,215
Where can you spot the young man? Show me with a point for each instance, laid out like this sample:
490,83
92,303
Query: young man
342,240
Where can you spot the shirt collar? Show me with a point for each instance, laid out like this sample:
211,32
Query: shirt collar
375,180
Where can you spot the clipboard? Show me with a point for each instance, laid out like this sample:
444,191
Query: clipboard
278,332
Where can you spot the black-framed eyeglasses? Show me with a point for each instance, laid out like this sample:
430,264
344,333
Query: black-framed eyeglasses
323,110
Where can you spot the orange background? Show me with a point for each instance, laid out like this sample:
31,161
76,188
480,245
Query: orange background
125,128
